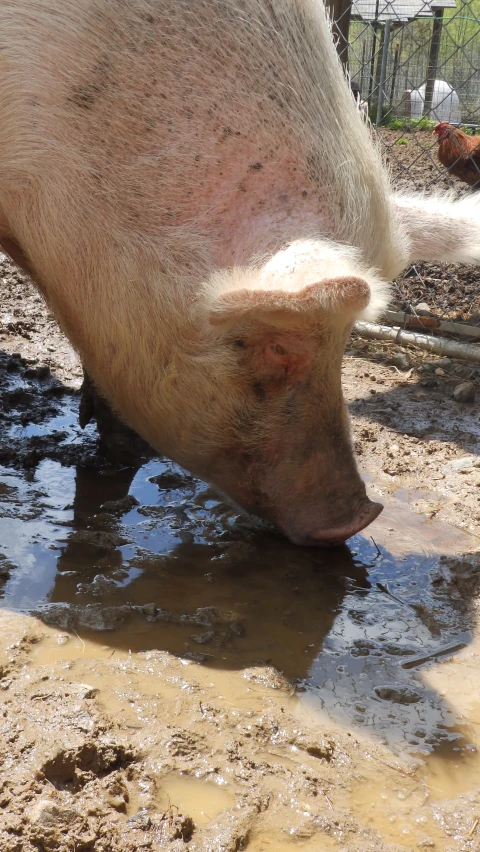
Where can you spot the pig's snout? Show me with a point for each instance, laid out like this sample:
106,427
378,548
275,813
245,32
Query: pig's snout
338,535
314,534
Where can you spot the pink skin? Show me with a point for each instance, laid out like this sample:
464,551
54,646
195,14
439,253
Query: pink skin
321,501
298,470
144,161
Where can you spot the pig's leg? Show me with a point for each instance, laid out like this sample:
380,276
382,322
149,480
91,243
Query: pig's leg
10,246
13,250
117,440
440,228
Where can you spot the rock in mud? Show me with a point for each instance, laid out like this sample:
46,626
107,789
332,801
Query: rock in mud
464,392
47,813
401,360
83,690
120,507
398,694
140,820
49,822
228,833
266,676
171,481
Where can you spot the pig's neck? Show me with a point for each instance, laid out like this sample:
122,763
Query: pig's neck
257,205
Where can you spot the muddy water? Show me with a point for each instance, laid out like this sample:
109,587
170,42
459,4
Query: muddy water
377,636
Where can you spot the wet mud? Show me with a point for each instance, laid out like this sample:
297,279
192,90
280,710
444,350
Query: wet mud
175,675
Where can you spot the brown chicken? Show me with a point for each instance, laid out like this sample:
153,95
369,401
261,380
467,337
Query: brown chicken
459,152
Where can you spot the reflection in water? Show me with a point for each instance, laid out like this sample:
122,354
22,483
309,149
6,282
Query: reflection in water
155,558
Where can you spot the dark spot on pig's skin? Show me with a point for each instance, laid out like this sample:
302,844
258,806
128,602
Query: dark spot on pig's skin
259,391
86,94
256,166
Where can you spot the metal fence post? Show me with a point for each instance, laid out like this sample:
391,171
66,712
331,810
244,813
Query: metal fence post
372,59
397,77
340,11
433,59
395,71
383,71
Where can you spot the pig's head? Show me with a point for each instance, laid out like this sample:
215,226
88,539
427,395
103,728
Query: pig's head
280,441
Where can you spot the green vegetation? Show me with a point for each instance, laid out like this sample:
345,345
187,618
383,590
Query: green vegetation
408,57
410,124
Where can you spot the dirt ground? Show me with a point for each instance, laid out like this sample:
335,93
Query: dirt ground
451,290
173,676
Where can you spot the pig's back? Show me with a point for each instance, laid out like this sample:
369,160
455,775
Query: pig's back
153,116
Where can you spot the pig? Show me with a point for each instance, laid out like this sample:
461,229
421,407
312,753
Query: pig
192,188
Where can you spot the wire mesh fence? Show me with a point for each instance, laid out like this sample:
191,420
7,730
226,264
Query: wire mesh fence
414,64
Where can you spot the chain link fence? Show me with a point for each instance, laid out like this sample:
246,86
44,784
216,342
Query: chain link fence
413,64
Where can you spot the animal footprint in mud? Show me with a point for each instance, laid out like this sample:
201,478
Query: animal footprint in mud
76,767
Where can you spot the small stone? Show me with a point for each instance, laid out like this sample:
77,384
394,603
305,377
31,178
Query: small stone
47,813
464,392
422,308
203,638
140,820
265,676
463,463
398,694
41,372
83,690
440,372
401,360
442,363
120,507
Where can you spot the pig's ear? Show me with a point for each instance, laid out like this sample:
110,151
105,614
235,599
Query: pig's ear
344,297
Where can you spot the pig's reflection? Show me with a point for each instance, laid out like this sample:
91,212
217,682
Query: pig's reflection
235,595
92,547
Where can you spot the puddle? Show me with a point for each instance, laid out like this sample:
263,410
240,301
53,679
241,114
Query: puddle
139,560
203,800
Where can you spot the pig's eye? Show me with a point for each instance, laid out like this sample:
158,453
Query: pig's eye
239,343
279,350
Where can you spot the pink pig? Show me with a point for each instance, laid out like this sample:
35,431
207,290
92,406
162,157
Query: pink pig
196,195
